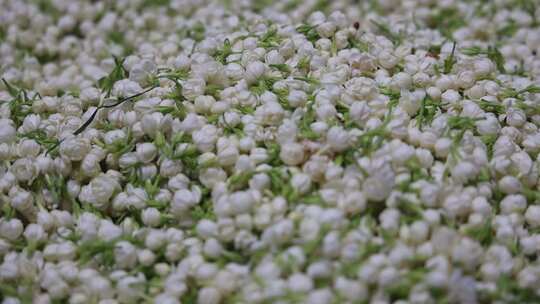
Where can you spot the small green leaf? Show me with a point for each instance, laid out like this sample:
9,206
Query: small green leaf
450,60
239,180
224,52
492,107
270,38
427,112
106,83
282,67
309,31
472,51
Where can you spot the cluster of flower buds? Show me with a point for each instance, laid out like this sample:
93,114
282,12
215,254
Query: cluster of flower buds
205,151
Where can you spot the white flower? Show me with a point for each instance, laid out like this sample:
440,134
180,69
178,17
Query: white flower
182,62
7,131
513,203
509,184
254,70
193,87
75,148
338,138
30,123
532,216
34,233
467,252
300,283
207,229
142,71
212,248
353,202
320,296
11,229
90,95
125,254
379,184
21,200
129,288
241,201
127,160
228,156
522,161
205,138
24,169
103,188
351,290
108,231
270,113
483,67
326,29
463,171
146,152
292,154
183,200
126,87
155,239
151,217
234,71
361,89
90,165
326,111
389,219
301,182
151,123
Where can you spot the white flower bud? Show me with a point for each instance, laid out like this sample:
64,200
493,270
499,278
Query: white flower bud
228,156
301,182
151,217
146,257
146,152
463,171
402,80
102,188
34,233
532,216
513,203
90,165
297,98
28,148
125,254
24,169
299,282
209,295
183,200
212,248
204,103
31,123
515,117
11,229
75,148
151,123
509,184
241,202
7,131
338,139
21,200
207,229
205,138
354,202
292,154
254,70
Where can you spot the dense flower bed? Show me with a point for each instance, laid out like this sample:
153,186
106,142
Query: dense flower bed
192,151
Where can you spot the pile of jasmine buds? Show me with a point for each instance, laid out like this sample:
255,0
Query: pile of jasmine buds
246,151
